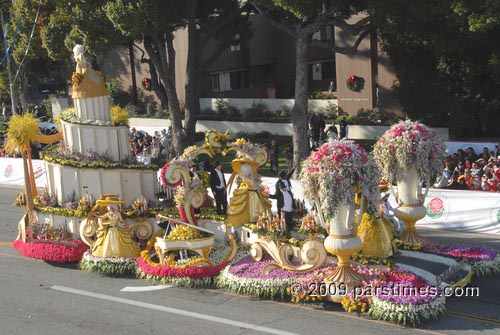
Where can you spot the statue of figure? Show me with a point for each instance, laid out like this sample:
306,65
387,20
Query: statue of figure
82,64
248,201
114,238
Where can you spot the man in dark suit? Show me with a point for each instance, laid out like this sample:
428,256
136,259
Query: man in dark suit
286,204
284,178
218,185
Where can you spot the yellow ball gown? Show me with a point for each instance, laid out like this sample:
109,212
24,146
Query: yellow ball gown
114,240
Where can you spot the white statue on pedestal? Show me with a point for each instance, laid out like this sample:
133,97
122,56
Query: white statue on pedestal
83,65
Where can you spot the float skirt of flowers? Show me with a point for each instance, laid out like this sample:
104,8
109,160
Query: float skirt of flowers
51,251
183,277
110,266
245,277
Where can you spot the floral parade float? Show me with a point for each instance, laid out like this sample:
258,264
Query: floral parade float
410,154
93,158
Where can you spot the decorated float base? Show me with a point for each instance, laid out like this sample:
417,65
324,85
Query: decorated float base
409,288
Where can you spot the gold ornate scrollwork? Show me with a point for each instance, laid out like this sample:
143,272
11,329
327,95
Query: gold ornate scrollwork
176,173
312,255
88,229
142,229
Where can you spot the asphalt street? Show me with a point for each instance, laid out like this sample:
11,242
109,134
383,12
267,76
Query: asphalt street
41,298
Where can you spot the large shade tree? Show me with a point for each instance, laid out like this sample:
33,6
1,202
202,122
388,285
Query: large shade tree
301,19
446,58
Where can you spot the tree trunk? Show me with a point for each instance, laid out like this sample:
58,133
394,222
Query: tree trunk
178,132
132,72
299,111
162,55
192,103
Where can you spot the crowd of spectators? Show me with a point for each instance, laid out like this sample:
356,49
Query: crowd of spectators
467,170
156,149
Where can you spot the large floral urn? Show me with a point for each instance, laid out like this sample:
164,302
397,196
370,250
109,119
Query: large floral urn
331,177
343,242
410,154
410,201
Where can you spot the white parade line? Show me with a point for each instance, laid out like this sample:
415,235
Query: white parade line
144,288
171,310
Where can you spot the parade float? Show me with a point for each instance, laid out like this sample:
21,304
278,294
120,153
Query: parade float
92,158
344,252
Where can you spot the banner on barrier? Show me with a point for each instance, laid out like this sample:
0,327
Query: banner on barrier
12,172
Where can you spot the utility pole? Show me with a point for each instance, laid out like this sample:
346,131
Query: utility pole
11,84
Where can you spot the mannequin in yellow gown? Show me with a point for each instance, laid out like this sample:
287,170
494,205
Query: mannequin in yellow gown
114,238
248,201
376,231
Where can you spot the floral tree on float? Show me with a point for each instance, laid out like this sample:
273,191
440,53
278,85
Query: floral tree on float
331,177
410,153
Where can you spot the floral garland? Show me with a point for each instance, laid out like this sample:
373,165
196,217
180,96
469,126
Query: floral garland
69,252
109,266
78,160
118,115
410,144
334,171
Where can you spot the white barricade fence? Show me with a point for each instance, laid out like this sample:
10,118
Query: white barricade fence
466,211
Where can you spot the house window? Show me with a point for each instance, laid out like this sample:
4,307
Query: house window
227,81
237,80
328,70
214,79
236,46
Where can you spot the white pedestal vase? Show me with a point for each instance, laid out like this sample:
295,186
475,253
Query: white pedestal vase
343,242
410,207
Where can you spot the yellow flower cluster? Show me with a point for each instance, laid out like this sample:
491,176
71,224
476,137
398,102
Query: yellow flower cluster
184,233
119,116
352,306
408,246
241,141
304,298
76,79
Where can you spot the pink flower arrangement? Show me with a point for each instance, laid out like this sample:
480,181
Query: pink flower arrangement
410,144
332,174
52,251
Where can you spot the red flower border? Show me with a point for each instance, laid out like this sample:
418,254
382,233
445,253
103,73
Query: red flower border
164,181
193,273
53,252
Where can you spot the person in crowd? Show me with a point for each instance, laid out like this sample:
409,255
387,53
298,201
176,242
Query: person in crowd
485,154
445,178
466,179
331,87
476,185
453,182
155,152
288,153
321,126
218,186
274,156
460,155
332,133
476,170
314,128
460,168
343,128
286,204
471,155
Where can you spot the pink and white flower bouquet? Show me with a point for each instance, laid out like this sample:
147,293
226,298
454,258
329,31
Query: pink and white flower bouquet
334,173
410,144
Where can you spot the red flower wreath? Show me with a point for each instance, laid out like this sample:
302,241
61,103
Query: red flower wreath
69,252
